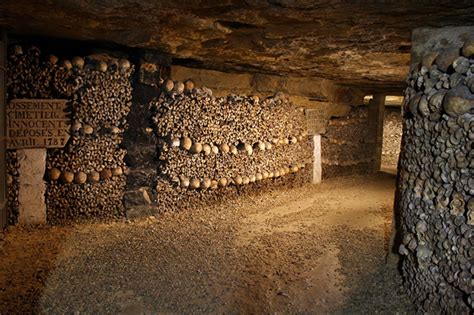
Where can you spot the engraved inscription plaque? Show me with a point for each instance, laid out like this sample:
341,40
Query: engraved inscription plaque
316,120
37,123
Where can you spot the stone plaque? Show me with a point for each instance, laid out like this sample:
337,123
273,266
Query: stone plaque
37,123
316,120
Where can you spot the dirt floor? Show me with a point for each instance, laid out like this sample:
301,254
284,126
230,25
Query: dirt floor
310,250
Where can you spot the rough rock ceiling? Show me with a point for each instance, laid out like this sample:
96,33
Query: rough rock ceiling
357,43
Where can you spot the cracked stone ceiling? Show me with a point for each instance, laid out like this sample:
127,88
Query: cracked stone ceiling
356,43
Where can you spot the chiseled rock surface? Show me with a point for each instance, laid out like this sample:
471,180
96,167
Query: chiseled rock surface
308,92
32,186
346,41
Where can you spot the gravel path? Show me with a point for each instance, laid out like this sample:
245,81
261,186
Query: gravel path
314,249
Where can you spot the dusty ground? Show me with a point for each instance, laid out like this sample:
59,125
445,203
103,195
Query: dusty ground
315,249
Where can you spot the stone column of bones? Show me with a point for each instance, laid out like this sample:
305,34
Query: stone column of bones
437,182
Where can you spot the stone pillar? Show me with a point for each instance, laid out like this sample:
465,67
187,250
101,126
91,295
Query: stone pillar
31,198
317,170
376,114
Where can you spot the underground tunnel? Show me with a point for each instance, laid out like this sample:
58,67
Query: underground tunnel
255,157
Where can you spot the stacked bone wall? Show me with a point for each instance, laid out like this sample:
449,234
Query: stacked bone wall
85,178
437,181
347,146
210,148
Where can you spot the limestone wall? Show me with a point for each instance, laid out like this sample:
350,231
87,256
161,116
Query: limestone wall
392,137
437,177
308,92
